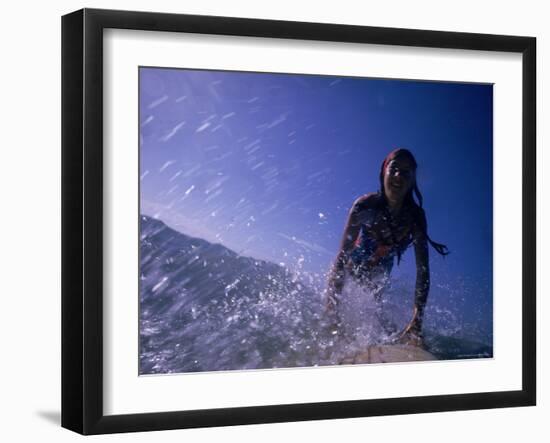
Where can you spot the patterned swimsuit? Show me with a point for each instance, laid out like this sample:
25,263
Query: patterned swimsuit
381,238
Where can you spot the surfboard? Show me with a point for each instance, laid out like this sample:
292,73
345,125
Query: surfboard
389,354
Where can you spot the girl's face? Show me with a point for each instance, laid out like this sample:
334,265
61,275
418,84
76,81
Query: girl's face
399,178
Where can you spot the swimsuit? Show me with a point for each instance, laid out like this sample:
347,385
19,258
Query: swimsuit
380,239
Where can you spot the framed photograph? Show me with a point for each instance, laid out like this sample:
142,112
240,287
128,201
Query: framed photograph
269,221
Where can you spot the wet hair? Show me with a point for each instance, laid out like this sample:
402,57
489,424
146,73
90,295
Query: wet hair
409,198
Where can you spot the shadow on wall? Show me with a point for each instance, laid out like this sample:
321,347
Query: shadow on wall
54,417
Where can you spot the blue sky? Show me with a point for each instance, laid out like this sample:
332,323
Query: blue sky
269,164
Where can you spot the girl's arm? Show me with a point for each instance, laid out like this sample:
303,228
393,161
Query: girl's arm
422,280
413,331
337,272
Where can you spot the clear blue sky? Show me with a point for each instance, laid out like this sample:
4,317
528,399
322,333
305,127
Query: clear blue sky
269,164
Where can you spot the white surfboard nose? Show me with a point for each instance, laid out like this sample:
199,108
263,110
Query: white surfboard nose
389,354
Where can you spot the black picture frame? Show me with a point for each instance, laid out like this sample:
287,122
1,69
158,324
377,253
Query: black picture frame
82,218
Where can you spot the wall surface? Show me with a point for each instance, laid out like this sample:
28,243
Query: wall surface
30,222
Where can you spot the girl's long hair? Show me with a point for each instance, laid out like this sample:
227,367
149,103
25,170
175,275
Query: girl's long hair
409,198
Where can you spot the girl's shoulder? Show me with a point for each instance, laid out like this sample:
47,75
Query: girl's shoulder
372,200
366,208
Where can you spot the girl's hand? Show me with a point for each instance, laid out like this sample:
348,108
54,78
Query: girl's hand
412,334
332,321
410,338
334,287
332,302
332,294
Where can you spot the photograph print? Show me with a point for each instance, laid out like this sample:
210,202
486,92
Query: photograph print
299,221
